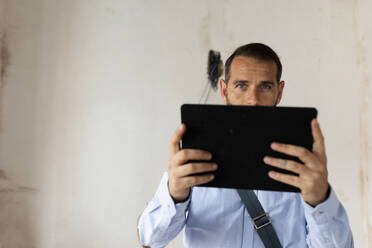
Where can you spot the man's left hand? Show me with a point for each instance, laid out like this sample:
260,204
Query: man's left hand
312,176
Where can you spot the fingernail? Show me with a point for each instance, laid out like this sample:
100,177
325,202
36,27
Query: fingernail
272,174
211,177
266,159
274,145
214,166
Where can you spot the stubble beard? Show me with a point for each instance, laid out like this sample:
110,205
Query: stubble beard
227,99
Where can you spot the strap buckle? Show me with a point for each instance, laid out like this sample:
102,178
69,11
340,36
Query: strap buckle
261,221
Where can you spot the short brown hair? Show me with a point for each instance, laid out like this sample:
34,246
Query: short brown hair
257,51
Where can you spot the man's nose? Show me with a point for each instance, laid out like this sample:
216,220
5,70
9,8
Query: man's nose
252,97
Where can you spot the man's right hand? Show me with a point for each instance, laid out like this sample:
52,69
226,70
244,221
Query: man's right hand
180,170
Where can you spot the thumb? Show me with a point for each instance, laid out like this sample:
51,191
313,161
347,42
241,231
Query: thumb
318,146
176,138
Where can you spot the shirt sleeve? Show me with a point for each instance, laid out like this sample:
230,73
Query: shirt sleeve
327,224
162,219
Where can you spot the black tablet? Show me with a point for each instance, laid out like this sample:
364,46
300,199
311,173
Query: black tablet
240,136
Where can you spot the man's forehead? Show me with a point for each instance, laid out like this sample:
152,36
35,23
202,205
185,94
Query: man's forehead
242,64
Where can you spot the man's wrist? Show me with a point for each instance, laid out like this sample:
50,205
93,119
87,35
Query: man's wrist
314,204
180,200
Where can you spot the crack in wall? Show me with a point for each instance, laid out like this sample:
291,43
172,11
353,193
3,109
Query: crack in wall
4,65
4,56
3,175
361,52
7,186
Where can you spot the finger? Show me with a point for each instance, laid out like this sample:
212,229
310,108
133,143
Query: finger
297,151
318,146
176,138
196,180
289,165
186,155
193,168
285,178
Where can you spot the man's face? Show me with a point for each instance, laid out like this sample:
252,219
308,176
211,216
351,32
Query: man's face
252,82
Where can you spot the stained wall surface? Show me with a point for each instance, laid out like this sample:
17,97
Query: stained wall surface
90,94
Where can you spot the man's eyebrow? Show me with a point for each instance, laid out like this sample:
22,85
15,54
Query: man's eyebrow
268,82
241,82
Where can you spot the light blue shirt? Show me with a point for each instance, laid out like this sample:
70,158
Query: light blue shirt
216,217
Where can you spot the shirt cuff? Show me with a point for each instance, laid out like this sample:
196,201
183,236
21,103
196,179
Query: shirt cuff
324,211
178,209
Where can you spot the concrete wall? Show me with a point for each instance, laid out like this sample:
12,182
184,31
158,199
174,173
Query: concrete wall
90,94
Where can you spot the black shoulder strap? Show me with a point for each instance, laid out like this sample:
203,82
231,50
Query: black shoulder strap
261,220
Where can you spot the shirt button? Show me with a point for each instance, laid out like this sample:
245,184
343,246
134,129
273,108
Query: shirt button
317,213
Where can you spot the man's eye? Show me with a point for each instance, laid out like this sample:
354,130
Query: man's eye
241,86
266,87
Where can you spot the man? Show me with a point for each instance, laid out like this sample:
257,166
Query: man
216,216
